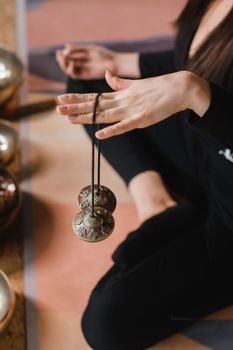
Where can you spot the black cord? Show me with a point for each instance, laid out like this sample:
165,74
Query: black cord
98,170
93,156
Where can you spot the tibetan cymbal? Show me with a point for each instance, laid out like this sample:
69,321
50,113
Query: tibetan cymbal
104,199
93,228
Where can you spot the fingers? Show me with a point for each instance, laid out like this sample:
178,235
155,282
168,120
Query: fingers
76,98
118,128
72,64
74,54
71,49
112,107
76,104
66,65
70,69
77,52
61,60
80,98
78,56
76,70
85,107
106,116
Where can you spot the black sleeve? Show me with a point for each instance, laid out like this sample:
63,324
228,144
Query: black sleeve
218,119
157,63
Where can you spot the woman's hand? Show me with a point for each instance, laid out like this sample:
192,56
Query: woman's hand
138,103
91,62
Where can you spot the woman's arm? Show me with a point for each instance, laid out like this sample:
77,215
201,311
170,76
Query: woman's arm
138,103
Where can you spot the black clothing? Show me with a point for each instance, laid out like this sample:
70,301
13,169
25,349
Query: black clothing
179,263
145,298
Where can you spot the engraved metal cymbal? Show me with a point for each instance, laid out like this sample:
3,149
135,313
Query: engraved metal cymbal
11,73
10,201
8,142
93,228
104,199
7,301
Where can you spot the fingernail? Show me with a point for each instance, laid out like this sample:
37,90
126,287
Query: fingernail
100,134
61,98
72,118
63,108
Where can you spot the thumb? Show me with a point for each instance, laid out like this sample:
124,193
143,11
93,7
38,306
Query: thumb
115,82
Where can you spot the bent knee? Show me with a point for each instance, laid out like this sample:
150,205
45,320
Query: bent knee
103,325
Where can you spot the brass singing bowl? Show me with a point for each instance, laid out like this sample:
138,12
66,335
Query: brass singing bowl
10,203
7,301
11,74
8,142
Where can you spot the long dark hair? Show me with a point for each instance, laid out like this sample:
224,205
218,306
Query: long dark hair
214,58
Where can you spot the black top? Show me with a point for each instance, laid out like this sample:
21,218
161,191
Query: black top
218,119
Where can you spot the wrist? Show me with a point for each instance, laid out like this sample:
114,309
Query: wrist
127,64
198,93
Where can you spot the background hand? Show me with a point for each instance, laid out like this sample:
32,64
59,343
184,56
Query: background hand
91,62
86,62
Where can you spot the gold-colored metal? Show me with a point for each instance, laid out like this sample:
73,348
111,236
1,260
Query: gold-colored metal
8,142
104,199
7,301
11,74
10,202
93,228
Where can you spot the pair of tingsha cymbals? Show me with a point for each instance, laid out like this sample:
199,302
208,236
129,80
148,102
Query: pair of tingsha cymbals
97,203
95,225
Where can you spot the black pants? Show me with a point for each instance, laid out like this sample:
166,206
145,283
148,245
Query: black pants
177,266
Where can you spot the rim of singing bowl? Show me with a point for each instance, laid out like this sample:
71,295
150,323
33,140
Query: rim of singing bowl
14,139
8,309
11,73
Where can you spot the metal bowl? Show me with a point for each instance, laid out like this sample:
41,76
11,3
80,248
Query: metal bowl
10,203
8,142
7,298
11,74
